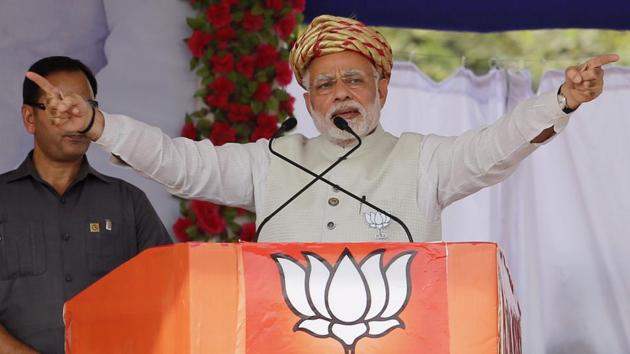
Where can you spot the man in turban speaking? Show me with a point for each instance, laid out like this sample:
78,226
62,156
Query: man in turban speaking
345,68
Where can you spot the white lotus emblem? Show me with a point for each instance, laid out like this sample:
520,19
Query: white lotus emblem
348,301
377,221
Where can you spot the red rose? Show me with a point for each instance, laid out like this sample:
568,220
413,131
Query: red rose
226,34
179,228
275,4
222,133
189,131
197,42
223,85
287,105
266,55
219,15
285,26
219,100
263,92
284,75
252,23
299,5
208,216
245,66
266,128
248,231
265,119
222,64
230,2
239,112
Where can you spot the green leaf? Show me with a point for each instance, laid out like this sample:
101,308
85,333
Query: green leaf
257,9
281,94
272,104
195,22
238,16
193,63
257,107
262,76
202,92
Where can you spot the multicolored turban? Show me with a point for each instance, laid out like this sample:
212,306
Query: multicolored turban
331,34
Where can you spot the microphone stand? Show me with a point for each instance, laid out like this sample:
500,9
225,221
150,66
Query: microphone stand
343,125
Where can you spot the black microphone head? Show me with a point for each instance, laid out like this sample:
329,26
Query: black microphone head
340,123
288,124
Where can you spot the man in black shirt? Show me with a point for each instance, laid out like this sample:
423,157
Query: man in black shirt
63,225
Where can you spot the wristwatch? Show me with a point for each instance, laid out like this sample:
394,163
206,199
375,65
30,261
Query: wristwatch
562,102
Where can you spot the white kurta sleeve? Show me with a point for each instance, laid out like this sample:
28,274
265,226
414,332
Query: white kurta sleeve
459,166
232,174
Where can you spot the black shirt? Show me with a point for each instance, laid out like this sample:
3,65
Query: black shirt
53,246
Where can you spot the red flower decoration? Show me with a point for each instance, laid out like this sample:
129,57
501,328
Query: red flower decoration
222,64
285,26
252,23
225,34
223,85
239,112
189,131
299,5
197,42
266,55
222,133
218,101
284,75
219,15
275,4
248,231
209,217
179,228
287,105
267,127
263,92
245,66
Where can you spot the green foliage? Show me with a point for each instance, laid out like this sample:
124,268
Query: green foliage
439,54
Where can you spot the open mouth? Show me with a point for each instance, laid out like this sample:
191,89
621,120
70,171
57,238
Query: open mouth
349,113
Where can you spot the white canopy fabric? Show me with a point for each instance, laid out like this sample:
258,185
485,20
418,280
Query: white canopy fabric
561,218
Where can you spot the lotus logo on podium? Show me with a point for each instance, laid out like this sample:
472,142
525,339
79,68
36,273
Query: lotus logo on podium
348,300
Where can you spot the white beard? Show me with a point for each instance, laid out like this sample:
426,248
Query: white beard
362,125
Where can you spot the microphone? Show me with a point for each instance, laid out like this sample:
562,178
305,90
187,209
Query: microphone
342,124
290,124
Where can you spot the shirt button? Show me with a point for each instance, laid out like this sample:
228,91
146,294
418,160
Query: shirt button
66,236
330,225
333,201
68,278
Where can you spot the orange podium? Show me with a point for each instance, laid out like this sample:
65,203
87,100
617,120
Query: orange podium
357,298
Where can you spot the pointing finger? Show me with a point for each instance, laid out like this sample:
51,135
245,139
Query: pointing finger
602,60
44,84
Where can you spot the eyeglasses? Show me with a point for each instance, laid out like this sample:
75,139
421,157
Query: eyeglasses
353,80
39,105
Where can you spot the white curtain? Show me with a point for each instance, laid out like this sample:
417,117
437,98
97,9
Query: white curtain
560,218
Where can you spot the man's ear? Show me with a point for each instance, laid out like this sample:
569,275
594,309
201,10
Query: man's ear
28,118
382,90
307,100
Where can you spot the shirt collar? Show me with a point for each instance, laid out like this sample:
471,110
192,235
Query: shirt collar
368,143
27,169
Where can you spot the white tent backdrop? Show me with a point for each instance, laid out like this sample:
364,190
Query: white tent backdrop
560,218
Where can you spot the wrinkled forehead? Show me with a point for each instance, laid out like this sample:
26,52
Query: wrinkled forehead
340,64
